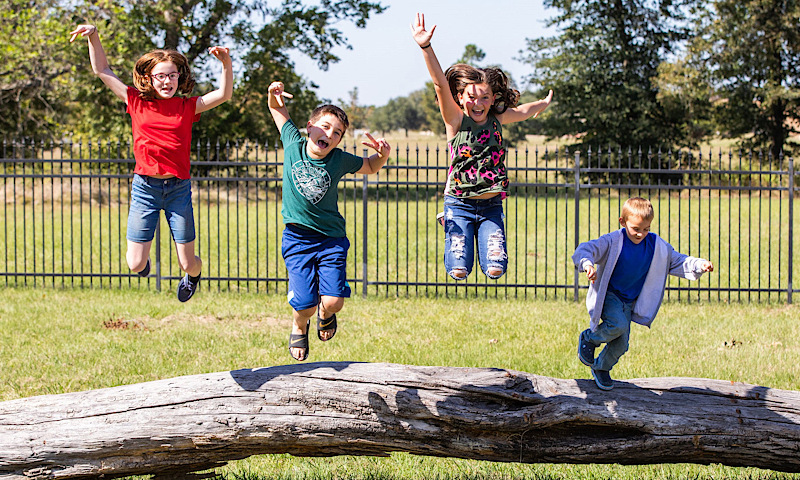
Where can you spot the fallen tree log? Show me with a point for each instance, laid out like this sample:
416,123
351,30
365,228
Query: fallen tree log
322,409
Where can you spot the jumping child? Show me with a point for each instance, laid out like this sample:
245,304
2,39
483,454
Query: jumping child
474,104
162,134
314,243
631,265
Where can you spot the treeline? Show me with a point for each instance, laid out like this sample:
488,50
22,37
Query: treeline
661,73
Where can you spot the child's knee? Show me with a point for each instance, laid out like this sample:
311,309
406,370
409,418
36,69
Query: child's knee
332,304
495,272
459,273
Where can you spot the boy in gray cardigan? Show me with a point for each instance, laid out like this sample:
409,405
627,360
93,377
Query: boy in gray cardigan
628,271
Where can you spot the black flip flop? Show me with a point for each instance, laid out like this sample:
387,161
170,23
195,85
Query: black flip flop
327,324
297,340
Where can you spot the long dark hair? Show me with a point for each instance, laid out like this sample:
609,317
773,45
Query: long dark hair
460,75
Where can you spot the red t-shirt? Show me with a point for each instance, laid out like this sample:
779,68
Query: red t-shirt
162,134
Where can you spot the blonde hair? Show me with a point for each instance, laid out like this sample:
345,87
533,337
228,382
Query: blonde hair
637,207
145,65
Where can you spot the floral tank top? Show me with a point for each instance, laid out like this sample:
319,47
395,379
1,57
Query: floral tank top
477,160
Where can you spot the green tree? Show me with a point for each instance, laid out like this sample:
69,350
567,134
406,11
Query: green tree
756,58
472,55
46,84
401,113
357,114
601,66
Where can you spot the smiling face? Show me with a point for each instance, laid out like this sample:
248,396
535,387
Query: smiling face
476,100
168,87
636,227
324,134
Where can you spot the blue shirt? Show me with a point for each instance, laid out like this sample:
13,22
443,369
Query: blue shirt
632,266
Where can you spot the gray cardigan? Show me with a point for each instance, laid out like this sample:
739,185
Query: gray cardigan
604,252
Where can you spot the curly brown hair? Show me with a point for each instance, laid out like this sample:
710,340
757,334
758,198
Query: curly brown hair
144,66
460,75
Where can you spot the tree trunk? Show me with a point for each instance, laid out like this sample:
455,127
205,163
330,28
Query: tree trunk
323,409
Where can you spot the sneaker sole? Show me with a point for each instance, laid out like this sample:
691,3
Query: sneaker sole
600,385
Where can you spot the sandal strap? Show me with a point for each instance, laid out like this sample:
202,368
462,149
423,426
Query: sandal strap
325,325
299,340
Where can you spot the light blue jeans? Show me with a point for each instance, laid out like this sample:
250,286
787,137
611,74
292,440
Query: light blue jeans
466,221
614,331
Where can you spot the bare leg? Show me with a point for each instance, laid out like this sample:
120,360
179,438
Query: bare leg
189,262
300,327
137,255
328,306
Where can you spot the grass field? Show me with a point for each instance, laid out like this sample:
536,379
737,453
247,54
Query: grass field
54,341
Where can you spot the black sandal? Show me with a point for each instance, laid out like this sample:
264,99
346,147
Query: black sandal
327,324
297,340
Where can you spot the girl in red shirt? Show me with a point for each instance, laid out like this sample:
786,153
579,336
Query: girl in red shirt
162,134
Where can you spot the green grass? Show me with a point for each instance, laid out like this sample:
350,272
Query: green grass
746,238
55,341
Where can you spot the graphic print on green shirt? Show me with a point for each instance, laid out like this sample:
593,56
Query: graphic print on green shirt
310,194
477,159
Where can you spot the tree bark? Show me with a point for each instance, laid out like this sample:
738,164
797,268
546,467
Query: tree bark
323,409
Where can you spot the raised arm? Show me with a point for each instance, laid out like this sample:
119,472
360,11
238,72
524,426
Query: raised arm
526,110
277,107
450,110
97,56
376,161
225,90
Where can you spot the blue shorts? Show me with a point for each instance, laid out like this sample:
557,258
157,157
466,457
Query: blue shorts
151,195
317,265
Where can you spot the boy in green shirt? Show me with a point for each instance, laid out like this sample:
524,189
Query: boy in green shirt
314,243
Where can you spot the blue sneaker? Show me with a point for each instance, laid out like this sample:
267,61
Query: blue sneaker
603,379
186,288
585,351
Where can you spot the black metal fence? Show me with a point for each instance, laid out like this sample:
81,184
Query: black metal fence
65,207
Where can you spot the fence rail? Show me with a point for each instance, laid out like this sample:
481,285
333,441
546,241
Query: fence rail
65,209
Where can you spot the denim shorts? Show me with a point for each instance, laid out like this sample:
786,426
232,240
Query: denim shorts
151,195
467,222
317,265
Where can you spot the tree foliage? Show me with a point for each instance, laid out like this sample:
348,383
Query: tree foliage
755,55
47,87
601,66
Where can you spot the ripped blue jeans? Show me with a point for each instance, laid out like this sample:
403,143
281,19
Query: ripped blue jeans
466,221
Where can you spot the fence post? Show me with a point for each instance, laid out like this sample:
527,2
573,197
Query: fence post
364,231
577,214
791,230
158,255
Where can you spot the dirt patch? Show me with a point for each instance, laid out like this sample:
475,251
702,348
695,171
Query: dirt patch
122,324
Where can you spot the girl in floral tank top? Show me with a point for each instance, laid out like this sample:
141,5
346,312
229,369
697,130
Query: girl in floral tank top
475,103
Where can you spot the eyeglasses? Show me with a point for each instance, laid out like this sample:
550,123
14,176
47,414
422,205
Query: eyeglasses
163,76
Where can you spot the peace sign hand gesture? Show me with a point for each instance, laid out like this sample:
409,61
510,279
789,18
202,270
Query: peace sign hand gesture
381,146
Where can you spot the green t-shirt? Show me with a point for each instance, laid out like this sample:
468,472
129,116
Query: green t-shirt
310,194
477,159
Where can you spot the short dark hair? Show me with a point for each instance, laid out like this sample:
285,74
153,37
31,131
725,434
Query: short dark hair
329,110
147,62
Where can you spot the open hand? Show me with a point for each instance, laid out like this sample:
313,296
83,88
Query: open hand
380,145
421,36
83,31
276,89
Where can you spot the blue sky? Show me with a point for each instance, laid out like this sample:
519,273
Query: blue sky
385,62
